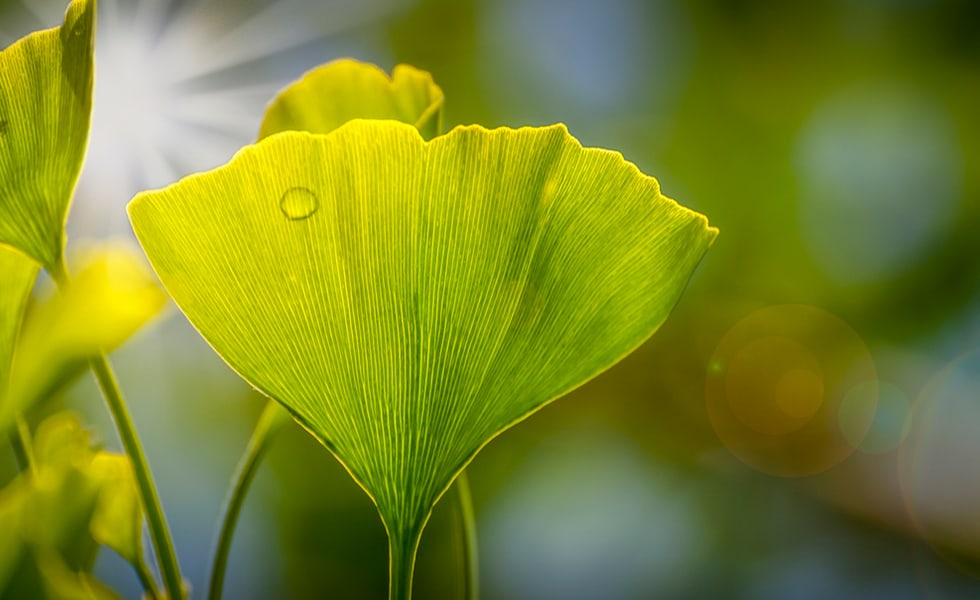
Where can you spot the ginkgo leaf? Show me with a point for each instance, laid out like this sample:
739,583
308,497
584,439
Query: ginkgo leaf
63,583
345,89
45,106
118,519
17,275
47,549
111,296
409,300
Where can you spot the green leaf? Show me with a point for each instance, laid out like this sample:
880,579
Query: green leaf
45,106
109,299
332,94
118,519
62,583
17,275
46,515
408,300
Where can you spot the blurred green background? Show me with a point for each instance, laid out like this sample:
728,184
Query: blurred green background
835,143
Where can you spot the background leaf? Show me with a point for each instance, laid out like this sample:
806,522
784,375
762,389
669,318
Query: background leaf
45,108
109,299
118,518
46,550
406,300
332,94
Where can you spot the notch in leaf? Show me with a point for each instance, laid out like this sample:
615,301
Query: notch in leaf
45,107
408,300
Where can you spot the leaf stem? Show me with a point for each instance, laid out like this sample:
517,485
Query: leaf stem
272,420
146,580
163,543
159,532
402,548
467,538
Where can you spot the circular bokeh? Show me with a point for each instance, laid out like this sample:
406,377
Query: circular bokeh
866,161
776,384
940,467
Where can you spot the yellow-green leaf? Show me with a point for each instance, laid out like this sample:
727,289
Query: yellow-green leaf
47,515
17,275
118,518
409,300
332,94
62,583
108,300
45,107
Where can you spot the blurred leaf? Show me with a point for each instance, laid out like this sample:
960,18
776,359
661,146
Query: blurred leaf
118,519
45,106
46,518
17,275
332,94
61,583
112,296
64,493
407,301
11,506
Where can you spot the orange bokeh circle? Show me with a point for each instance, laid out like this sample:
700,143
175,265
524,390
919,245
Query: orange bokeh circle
775,385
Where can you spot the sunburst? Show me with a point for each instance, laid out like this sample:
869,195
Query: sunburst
181,84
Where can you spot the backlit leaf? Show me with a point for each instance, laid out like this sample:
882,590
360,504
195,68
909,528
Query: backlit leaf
409,300
45,514
111,296
332,94
63,583
118,519
17,275
45,105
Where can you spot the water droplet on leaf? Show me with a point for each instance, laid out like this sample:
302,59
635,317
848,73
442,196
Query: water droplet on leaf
4,126
299,203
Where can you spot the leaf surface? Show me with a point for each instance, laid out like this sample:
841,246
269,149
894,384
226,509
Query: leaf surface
408,300
339,91
45,107
17,275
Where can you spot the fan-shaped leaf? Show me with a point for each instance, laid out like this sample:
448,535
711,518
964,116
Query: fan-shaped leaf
108,300
45,105
332,94
408,300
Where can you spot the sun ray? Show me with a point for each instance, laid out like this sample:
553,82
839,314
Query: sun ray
182,85
279,28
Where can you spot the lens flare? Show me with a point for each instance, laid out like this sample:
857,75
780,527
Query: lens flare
775,385
181,85
940,467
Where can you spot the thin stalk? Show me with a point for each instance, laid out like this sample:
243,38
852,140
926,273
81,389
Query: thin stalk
163,544
272,420
467,538
402,549
146,580
159,532
23,447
